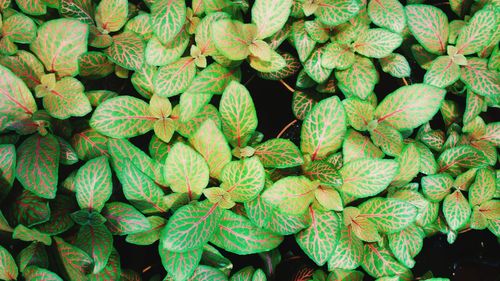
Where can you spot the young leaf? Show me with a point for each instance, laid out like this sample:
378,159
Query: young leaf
97,242
111,15
175,78
377,43
436,187
75,261
233,38
429,25
389,215
191,227
270,21
348,253
186,171
39,155
8,267
477,32
93,184
291,195
387,13
349,80
124,219
180,265
367,177
456,210
279,153
127,50
167,18
323,128
410,106
239,119
122,117
238,235
319,240
59,44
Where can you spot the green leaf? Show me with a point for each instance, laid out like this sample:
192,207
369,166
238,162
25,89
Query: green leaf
82,10
4,225
479,78
16,101
436,187
238,235
7,168
75,261
270,21
8,267
323,172
175,78
233,38
148,237
387,13
334,12
33,255
35,273
209,141
346,275
191,104
324,128
359,113
314,66
127,50
405,245
239,119
349,251
191,227
23,233
462,156
410,106
359,80
160,54
84,217
379,262
112,271
456,210
396,65
124,219
94,65
477,33
89,144
303,43
483,188
39,155
186,171
121,149
319,240
408,167
59,44
142,80
275,63
93,184
357,146
19,28
97,242
30,209
429,25
67,99
377,42
291,195
389,215
32,7
428,164
111,15
122,117
180,265
279,153
207,273
243,179
26,66
213,79
338,56
167,18
443,72
367,177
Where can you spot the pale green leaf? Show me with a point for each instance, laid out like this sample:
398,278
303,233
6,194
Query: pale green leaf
429,25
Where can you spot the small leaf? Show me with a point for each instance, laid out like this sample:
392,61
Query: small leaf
32,7
122,117
436,187
213,79
175,78
232,38
456,210
112,270
408,167
429,25
124,219
291,195
379,262
303,43
357,146
97,242
94,65
243,179
167,18
59,44
323,128
279,153
7,168
111,15
387,13
338,56
127,50
238,235
93,184
23,233
377,43
270,21
89,144
160,54
359,113
314,66
443,72
191,226
319,240
396,65
323,172
35,156
16,101
8,267
349,80
148,237
407,244
30,209
207,273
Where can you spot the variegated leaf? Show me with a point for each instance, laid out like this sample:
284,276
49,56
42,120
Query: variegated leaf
429,25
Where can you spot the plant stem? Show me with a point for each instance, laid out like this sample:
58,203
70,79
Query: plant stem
404,81
286,128
288,87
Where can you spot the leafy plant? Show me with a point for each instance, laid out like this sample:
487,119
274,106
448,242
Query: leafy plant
175,160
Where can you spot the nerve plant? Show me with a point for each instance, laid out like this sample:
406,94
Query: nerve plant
371,176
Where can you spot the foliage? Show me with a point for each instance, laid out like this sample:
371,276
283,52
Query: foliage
371,176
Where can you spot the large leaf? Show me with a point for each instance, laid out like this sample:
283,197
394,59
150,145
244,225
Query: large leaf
89,144
291,195
32,7
38,165
124,219
239,119
93,184
270,21
387,13
167,18
237,234
209,141
279,153
357,146
16,100
160,54
456,210
122,117
243,179
122,149
324,128
191,227
186,171
377,42
477,33
175,78
111,15
59,44
367,177
97,242
74,260
127,50
314,66
8,267
389,215
429,25
410,106
319,240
